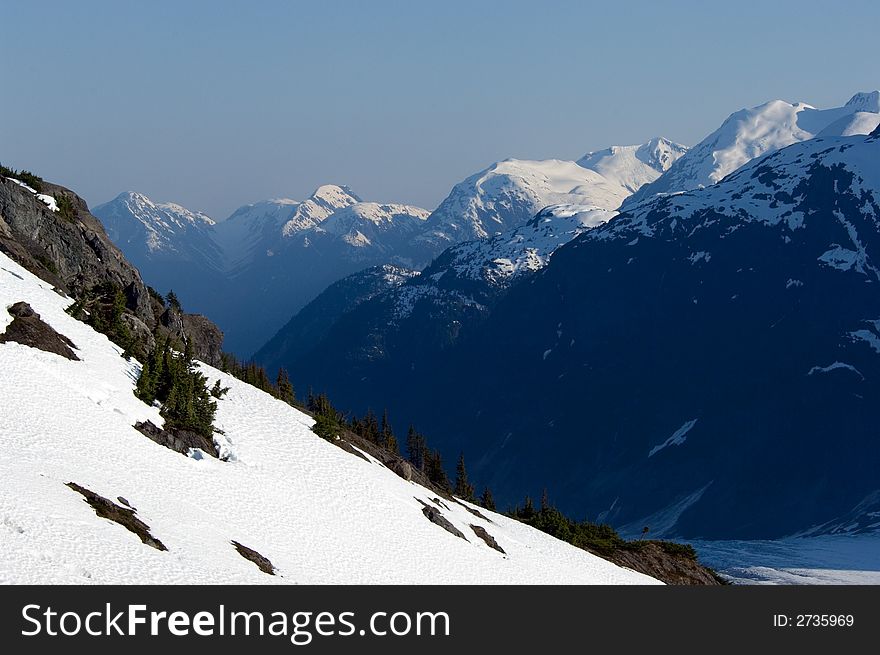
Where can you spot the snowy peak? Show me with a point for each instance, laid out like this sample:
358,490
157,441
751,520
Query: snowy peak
793,177
660,153
361,223
133,218
318,207
634,166
750,133
509,193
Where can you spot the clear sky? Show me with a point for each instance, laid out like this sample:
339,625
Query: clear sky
217,104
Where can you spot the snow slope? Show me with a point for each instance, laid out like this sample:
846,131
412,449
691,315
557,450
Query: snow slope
634,166
504,258
749,133
319,514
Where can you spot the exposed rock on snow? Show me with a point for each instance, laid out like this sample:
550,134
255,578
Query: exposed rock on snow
28,329
124,516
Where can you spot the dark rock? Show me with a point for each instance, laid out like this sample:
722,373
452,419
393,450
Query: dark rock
403,469
124,502
140,332
180,441
473,511
124,516
205,338
73,255
436,517
488,538
27,328
250,554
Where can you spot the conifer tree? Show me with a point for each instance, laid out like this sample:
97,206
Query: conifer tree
486,499
463,489
285,388
415,449
173,301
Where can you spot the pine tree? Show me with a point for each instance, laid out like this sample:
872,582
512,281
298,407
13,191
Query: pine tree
386,433
415,449
173,301
545,500
486,499
435,471
528,510
285,388
463,489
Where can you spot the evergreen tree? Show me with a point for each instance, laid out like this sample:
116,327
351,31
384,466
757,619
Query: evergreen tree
415,449
284,387
486,499
173,301
386,433
545,500
174,381
528,510
463,489
435,471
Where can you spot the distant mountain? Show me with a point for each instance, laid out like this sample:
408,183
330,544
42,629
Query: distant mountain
471,274
705,364
267,260
750,133
509,193
632,167
257,268
173,247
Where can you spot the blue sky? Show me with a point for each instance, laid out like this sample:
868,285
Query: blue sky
216,104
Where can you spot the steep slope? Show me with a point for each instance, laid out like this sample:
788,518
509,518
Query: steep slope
283,506
704,365
750,133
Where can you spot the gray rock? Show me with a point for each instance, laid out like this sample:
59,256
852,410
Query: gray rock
436,517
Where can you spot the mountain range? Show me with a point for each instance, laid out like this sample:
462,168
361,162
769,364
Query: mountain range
255,269
710,311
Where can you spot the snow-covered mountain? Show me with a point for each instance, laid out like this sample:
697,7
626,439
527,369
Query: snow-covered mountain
315,513
159,230
255,269
634,166
509,193
750,133
665,365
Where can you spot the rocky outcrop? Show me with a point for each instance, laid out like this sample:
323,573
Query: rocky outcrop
28,328
665,561
436,517
124,516
180,441
251,555
71,251
481,532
